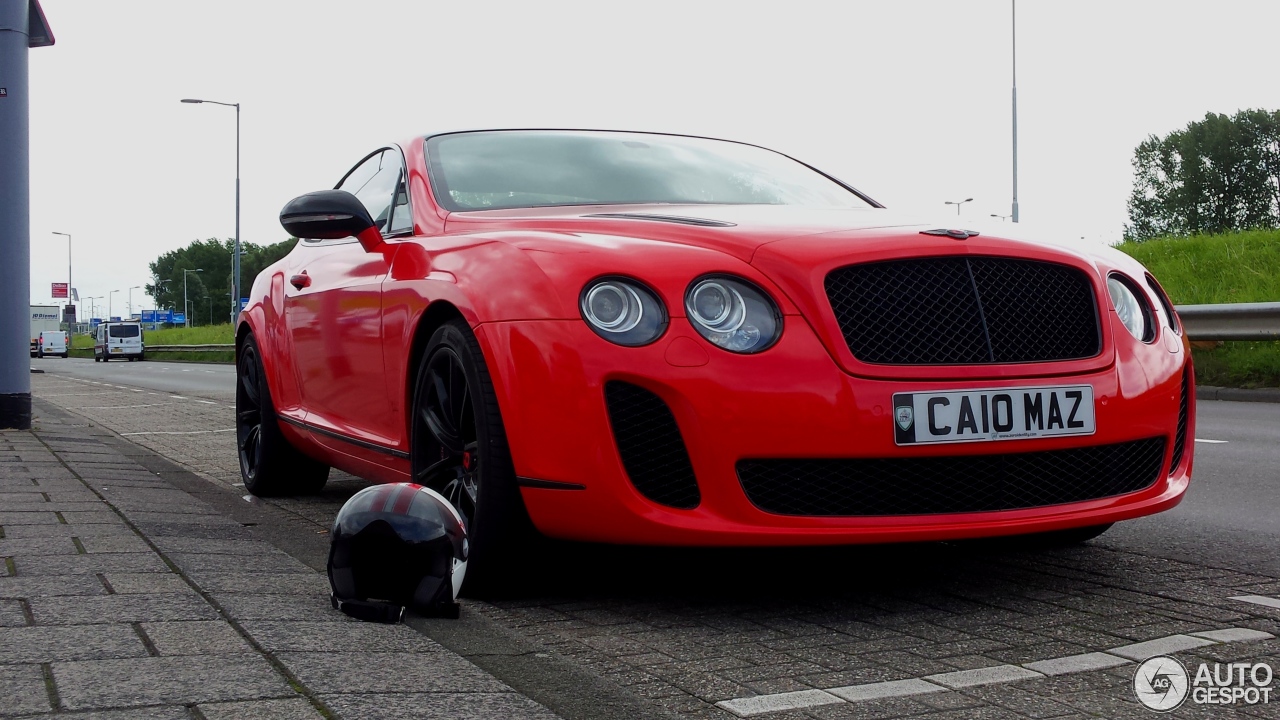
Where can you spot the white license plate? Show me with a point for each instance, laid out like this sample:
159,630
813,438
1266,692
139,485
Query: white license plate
115,349
992,414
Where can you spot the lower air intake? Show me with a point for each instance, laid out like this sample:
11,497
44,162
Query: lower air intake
650,445
959,484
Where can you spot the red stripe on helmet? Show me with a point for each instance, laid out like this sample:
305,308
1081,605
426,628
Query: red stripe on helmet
404,498
378,503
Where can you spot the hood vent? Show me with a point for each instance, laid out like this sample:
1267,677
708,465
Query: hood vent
701,222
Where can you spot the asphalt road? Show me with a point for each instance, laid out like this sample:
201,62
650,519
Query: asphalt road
687,629
204,379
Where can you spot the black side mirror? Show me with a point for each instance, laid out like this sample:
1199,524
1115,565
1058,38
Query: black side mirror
329,215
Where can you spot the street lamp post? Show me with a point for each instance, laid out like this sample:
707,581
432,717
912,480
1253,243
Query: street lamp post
68,236
109,299
1013,6
210,299
235,264
1002,217
958,203
186,321
135,287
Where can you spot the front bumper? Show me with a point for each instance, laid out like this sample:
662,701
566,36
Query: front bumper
792,401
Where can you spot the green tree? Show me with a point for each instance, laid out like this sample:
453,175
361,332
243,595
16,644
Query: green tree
213,258
1216,175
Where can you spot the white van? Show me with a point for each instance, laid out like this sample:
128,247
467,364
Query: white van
118,340
53,342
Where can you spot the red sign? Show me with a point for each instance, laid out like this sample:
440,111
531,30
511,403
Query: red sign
59,290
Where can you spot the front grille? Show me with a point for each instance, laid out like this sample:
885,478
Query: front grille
1180,435
649,442
958,484
964,311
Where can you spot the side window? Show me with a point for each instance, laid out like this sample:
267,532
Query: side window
374,183
401,216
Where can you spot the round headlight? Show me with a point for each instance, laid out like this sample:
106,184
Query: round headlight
1133,313
623,311
733,314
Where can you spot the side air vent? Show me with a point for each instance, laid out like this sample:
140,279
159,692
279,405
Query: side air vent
650,445
1180,435
680,219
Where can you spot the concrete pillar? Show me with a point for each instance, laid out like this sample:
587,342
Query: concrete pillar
22,26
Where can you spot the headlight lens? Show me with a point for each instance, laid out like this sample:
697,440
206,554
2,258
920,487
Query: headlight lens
1133,313
623,311
733,314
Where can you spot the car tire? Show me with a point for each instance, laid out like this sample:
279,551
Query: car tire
66,355
269,464
96,358
459,449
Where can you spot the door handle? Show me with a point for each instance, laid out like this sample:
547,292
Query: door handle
301,280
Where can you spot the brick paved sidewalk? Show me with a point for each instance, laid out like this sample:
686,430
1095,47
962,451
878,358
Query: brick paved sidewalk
122,593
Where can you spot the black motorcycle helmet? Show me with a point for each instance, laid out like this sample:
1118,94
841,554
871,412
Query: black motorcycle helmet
394,547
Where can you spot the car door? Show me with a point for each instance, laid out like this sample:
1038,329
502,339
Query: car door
333,311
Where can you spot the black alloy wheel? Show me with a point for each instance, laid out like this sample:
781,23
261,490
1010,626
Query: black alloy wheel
269,464
447,417
459,449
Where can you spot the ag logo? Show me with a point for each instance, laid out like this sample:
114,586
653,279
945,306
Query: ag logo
1161,683
904,416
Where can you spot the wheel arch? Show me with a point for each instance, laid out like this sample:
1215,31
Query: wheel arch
437,313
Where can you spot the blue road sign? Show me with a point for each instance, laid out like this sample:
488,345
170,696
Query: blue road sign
178,318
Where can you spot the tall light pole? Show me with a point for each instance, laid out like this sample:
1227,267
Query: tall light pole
93,306
135,287
1014,16
235,262
958,203
1002,217
186,321
109,299
68,236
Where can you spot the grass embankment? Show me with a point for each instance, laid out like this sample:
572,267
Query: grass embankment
1234,268
82,345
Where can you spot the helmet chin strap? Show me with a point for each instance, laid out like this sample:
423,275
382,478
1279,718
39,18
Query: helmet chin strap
369,611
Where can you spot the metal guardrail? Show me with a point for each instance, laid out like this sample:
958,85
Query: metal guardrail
1231,321
189,348
1225,321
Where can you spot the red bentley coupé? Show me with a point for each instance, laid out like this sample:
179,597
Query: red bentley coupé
657,339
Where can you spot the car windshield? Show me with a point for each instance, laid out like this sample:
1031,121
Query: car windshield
123,331
541,168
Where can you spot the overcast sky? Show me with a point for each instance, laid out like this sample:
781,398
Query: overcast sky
908,101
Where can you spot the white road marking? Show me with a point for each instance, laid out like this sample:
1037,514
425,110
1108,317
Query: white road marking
892,688
761,704
122,407
1160,646
1259,600
207,402
983,676
745,707
188,432
1212,442
178,397
1076,663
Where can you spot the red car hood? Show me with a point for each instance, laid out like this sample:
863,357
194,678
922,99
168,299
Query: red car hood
738,230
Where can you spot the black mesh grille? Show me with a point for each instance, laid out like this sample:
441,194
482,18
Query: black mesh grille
970,483
964,311
1180,435
649,442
